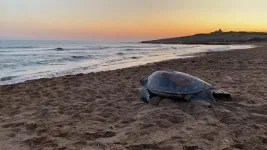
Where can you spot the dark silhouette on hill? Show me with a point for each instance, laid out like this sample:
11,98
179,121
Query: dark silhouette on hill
217,37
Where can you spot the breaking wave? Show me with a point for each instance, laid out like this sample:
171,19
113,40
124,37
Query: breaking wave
7,78
17,47
67,49
97,47
56,59
120,53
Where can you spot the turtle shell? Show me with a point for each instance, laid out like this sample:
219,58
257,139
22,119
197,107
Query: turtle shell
175,83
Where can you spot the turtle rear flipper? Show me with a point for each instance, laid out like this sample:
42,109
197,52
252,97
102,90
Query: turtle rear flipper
222,95
201,101
205,98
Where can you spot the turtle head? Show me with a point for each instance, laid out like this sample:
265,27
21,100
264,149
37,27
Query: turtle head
143,81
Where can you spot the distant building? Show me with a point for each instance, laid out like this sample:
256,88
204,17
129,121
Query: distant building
217,31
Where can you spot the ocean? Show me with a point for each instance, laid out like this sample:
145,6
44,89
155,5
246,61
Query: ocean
27,60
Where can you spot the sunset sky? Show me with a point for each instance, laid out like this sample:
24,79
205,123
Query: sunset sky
127,19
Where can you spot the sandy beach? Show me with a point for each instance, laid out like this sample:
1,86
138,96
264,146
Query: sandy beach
102,110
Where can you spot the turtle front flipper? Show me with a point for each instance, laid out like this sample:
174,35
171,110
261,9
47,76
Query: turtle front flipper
149,98
155,100
144,94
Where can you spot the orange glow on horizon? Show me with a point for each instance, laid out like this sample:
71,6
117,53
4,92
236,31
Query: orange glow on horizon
150,19
149,30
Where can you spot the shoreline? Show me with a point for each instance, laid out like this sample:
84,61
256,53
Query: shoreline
184,56
103,110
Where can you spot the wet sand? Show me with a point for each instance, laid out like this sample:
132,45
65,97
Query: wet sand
103,110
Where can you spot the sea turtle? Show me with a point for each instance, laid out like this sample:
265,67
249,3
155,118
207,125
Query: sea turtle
178,85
